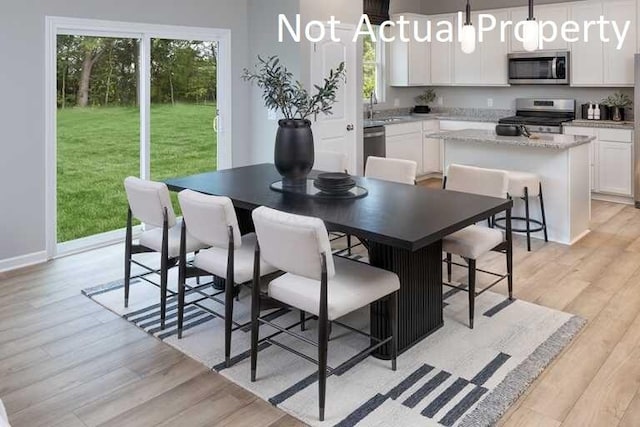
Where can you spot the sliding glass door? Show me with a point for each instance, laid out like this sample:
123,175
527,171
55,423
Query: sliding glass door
127,100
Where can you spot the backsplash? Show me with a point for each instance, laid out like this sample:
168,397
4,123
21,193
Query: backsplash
485,114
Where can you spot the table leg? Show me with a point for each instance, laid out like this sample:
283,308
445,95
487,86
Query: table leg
420,297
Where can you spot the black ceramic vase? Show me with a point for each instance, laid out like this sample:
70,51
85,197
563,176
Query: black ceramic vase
294,154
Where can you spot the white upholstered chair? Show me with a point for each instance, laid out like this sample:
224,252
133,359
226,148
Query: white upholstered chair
315,282
330,161
394,170
475,241
149,202
4,419
213,220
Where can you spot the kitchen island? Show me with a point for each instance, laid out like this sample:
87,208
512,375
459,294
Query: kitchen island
561,161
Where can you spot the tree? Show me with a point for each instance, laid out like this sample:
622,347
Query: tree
93,49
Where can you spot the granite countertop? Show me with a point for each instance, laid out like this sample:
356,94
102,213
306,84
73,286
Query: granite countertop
396,120
551,141
606,124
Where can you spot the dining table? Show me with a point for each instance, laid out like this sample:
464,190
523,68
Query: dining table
402,225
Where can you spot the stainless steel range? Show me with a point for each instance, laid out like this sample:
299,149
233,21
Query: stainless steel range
542,115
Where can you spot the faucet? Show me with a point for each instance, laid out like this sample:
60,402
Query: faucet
372,101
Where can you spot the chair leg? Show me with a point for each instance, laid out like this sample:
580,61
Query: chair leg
302,321
509,254
255,312
472,291
323,340
127,258
181,291
393,314
544,216
228,322
164,273
527,217
449,267
349,244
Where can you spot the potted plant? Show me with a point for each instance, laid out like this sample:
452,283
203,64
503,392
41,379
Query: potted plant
618,102
423,100
294,152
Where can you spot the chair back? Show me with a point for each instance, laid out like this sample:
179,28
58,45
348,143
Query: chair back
208,218
147,201
394,170
330,161
484,182
293,243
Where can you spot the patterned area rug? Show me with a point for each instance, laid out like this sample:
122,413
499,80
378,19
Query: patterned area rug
455,377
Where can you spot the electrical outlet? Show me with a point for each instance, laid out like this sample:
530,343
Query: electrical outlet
489,102
272,115
441,100
396,103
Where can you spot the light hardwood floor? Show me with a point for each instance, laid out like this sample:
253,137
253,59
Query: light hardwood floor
65,361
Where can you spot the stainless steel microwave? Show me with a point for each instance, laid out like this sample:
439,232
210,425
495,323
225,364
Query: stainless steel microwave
539,68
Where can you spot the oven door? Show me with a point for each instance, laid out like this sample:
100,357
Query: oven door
539,68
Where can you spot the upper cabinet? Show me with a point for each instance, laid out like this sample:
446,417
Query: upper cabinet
488,65
442,57
556,13
619,64
409,62
594,63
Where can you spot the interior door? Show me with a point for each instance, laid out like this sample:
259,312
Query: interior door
336,131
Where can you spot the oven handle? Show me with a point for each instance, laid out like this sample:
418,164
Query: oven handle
554,68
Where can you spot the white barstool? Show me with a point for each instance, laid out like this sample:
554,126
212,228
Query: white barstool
525,185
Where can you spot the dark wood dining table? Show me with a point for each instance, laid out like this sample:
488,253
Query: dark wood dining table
403,226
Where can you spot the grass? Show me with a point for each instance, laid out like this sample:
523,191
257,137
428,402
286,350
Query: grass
99,147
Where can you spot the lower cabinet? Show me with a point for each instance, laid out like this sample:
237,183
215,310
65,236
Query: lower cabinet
612,160
615,168
432,155
407,147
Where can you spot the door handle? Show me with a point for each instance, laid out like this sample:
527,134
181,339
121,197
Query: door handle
350,127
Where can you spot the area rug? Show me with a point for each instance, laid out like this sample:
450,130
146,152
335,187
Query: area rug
455,377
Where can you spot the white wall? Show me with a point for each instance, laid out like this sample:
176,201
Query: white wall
447,6
22,117
263,41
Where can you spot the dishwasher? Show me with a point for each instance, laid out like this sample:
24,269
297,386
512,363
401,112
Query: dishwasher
374,142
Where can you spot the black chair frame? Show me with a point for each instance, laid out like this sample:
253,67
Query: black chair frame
165,264
324,371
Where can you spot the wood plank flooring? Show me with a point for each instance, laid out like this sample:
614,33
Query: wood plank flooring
65,361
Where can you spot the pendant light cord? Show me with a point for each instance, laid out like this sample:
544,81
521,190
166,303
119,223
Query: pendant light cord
531,17
468,22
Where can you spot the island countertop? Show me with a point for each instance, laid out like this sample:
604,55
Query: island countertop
542,140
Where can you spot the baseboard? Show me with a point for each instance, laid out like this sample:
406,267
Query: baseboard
612,198
23,261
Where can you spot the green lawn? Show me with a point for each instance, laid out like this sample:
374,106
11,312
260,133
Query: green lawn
99,147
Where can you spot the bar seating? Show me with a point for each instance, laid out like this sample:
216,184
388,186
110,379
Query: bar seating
318,283
394,170
213,220
475,241
149,202
524,186
4,420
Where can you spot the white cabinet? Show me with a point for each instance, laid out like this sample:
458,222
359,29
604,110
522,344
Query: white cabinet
612,160
442,56
587,56
487,65
461,125
431,148
409,62
595,63
615,168
555,13
404,141
619,64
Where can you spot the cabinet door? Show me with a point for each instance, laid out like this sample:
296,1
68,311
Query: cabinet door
441,55
615,168
619,64
550,13
587,57
493,55
419,53
407,147
432,157
593,152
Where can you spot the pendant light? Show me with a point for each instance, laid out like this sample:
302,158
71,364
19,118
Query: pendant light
530,31
468,33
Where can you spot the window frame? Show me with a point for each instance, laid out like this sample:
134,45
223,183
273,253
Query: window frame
380,67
